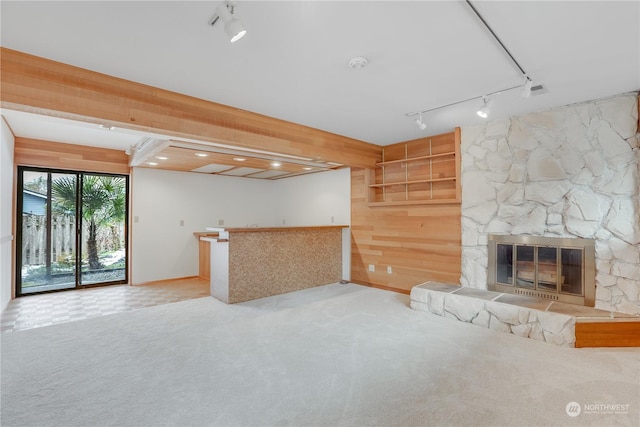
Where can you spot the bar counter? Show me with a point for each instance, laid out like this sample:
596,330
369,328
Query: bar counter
248,263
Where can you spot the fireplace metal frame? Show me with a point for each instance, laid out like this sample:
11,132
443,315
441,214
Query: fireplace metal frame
587,246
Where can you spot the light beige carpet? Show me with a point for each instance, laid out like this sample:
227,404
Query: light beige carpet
337,355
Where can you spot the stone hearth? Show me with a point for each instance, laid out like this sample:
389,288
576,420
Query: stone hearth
535,318
567,172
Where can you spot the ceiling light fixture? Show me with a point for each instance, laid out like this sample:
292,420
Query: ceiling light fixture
276,164
161,157
526,90
232,27
421,124
152,163
105,127
485,110
202,155
239,159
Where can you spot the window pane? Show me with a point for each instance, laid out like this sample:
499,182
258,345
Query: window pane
103,229
48,237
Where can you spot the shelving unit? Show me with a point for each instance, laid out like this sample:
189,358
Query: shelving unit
421,171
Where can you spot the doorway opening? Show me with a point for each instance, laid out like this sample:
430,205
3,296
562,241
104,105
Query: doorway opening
71,230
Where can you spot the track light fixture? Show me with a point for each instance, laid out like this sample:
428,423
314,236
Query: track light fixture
232,27
485,109
526,90
421,124
526,87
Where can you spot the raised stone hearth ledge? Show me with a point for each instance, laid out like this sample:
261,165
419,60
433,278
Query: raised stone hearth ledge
527,317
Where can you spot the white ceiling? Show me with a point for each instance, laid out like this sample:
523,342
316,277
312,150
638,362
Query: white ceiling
293,62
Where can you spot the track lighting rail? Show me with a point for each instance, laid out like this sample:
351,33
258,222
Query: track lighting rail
487,95
495,36
527,85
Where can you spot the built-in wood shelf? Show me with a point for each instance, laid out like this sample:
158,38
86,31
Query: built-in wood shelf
413,182
414,202
419,172
413,159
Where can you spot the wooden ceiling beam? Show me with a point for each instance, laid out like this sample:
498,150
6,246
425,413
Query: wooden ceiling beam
38,85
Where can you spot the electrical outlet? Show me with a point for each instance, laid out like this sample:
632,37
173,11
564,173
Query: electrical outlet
283,222
372,267
332,220
136,218
182,223
389,270
221,222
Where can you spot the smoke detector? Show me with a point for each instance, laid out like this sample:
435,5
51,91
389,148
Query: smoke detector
358,62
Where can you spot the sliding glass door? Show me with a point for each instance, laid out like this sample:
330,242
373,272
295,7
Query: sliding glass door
72,230
103,212
46,233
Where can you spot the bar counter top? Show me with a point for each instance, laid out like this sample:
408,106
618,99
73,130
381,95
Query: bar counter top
213,230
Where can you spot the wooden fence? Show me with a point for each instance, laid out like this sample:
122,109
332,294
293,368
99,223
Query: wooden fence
63,244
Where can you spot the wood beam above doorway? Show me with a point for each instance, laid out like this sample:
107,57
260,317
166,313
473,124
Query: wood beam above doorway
38,85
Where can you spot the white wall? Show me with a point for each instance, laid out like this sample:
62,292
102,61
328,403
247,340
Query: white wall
6,212
315,199
163,249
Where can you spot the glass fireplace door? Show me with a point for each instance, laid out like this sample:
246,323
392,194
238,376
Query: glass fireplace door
544,268
525,267
547,272
572,268
555,268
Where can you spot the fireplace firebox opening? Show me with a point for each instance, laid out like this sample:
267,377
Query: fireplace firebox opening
555,268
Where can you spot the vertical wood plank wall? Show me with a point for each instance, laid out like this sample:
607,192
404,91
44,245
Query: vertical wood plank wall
419,242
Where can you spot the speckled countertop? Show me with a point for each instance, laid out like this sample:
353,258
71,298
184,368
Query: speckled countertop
215,230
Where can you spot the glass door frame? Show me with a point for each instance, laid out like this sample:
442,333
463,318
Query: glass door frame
78,228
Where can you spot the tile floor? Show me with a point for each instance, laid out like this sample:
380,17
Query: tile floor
47,309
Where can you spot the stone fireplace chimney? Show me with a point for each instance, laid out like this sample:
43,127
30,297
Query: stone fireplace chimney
571,172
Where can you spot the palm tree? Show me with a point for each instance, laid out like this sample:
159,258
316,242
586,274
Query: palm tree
103,204
116,208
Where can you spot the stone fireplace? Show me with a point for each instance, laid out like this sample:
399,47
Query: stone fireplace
558,269
570,172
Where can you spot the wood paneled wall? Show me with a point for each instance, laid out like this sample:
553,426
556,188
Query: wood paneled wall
38,85
418,242
33,152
